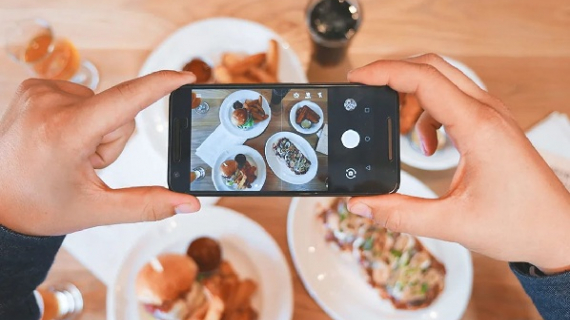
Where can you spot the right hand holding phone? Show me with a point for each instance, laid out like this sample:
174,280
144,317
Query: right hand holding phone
504,201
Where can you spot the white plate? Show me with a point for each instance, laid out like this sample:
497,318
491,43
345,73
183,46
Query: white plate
227,108
209,39
278,165
448,156
315,107
250,249
254,158
337,285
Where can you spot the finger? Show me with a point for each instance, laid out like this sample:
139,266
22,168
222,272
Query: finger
72,88
144,204
426,128
112,145
120,104
437,94
401,213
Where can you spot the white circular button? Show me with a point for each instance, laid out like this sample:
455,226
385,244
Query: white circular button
350,139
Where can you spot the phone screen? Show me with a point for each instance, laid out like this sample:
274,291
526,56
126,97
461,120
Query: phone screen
292,140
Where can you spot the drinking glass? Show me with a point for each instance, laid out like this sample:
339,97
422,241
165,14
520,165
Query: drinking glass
33,43
199,106
197,173
332,25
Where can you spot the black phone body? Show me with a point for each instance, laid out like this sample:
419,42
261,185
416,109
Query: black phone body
284,140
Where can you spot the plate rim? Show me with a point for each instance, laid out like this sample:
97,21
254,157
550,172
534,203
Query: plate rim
313,152
310,290
242,146
288,304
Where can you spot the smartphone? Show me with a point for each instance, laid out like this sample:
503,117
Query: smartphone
284,140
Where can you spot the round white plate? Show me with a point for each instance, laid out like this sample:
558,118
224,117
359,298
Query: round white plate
209,39
251,250
227,108
315,107
448,156
278,165
337,285
254,158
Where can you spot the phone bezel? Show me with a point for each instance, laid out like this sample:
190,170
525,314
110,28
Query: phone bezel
179,101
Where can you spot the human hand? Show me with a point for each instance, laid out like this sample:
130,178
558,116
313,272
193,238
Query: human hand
504,201
55,134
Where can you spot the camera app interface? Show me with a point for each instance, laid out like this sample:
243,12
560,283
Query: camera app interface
259,140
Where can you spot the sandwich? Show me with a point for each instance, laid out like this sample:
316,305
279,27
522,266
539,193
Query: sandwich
242,119
167,287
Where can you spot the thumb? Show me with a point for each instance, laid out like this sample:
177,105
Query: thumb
145,204
401,213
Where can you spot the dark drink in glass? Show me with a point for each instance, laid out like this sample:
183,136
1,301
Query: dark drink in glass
277,95
332,24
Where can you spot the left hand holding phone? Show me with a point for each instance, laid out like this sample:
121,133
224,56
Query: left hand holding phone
53,136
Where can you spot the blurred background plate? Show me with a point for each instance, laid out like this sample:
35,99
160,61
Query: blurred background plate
209,39
339,288
251,250
448,156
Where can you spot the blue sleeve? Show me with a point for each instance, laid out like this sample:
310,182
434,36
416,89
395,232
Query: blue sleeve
24,264
549,293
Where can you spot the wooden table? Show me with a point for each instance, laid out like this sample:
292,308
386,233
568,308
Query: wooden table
520,48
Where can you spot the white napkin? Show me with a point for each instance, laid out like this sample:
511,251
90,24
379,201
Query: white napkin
216,143
551,137
102,249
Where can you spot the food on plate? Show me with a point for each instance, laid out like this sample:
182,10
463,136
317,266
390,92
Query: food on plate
200,69
396,264
242,119
238,173
410,111
293,157
256,68
248,113
167,288
206,252
170,287
306,117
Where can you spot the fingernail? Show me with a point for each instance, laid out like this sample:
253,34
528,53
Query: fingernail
424,148
188,73
185,208
361,209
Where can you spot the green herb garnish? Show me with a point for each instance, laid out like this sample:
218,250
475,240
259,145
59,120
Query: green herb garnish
424,287
396,253
367,245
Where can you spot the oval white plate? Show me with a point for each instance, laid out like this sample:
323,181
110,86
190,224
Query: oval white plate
315,107
210,38
278,165
250,249
447,157
337,285
254,158
226,110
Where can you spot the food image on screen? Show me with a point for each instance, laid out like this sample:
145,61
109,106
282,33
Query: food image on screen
247,114
254,139
396,264
293,157
238,173
199,285
306,117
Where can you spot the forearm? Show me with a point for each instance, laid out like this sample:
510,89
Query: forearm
549,293
24,264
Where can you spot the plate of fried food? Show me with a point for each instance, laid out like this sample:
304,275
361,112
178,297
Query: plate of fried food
306,117
217,50
241,168
191,267
368,272
245,113
291,158
411,153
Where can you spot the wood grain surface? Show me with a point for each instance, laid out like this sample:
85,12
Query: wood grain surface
519,48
